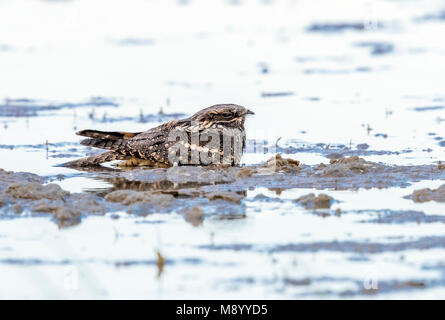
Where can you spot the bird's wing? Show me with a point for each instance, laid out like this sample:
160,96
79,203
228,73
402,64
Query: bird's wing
150,144
112,135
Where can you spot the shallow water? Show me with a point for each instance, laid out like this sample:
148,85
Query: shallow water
332,80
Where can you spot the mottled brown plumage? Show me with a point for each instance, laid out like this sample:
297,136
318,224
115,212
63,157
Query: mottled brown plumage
162,145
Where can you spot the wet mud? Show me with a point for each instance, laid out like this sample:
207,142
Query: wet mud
32,108
24,192
404,216
339,151
336,27
424,195
279,172
377,48
311,201
143,191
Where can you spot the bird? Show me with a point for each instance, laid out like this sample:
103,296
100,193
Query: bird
214,135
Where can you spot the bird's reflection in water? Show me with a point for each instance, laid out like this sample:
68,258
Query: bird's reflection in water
187,189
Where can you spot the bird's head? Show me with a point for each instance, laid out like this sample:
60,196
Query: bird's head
228,115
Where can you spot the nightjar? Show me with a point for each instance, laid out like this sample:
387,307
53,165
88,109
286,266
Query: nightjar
214,135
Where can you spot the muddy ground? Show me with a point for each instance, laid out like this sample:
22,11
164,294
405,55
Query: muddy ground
144,191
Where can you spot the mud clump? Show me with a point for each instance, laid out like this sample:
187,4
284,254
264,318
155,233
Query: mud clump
345,167
363,146
334,155
226,195
17,208
424,195
36,191
68,212
88,203
46,206
66,215
282,164
194,216
404,216
20,192
140,202
8,177
129,197
310,201
245,172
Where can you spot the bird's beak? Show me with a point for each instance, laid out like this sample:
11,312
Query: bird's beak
250,112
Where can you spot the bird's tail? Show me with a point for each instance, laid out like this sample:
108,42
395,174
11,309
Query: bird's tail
94,160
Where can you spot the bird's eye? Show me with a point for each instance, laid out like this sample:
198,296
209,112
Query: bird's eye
226,114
